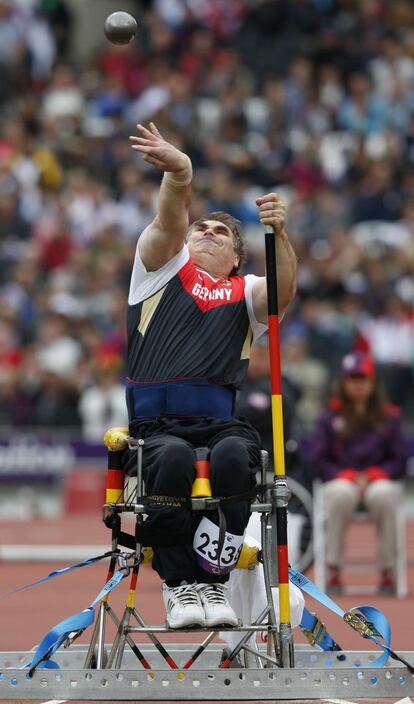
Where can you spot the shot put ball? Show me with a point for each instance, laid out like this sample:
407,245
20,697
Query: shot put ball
120,27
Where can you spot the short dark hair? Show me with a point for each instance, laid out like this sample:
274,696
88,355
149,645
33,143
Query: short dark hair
236,229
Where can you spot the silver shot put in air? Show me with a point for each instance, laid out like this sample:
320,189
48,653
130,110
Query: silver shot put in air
120,27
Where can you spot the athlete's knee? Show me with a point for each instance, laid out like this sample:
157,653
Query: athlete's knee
229,464
232,453
175,455
174,470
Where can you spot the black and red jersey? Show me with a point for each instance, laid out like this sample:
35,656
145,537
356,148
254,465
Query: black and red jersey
185,324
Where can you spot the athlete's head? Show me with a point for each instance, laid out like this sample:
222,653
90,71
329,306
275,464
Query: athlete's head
362,401
358,377
216,244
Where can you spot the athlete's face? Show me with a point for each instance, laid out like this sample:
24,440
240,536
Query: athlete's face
211,247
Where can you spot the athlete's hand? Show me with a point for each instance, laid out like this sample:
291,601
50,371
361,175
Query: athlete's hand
272,211
158,151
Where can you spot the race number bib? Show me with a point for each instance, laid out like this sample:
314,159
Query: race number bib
206,545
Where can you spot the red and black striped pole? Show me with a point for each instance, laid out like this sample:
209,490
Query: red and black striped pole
279,490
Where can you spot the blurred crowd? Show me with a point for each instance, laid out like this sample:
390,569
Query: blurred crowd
311,98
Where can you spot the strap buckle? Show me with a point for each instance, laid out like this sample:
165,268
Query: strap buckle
360,624
316,634
203,503
127,561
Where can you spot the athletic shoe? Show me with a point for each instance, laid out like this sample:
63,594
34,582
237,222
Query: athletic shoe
387,583
217,609
183,606
334,584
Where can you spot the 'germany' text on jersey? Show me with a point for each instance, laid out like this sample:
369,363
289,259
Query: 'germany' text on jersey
193,327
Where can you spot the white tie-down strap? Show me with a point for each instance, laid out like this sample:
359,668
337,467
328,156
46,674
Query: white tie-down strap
247,594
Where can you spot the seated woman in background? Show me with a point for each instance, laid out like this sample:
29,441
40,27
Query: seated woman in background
359,450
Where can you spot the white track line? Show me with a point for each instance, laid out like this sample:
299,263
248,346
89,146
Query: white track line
49,553
326,701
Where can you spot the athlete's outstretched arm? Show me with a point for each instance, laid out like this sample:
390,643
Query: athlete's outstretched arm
272,212
165,236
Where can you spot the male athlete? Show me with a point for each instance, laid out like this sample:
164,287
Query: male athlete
191,321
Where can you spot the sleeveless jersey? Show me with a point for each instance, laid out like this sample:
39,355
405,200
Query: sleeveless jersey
185,324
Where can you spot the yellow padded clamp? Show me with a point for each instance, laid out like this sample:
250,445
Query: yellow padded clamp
201,488
248,557
116,439
147,554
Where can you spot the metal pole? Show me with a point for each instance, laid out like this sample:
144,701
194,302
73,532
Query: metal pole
279,492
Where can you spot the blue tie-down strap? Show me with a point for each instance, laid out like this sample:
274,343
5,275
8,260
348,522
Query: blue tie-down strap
62,571
56,636
379,627
109,586
368,621
310,588
316,633
59,633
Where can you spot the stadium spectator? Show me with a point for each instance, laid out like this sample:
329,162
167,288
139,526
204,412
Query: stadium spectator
359,451
102,404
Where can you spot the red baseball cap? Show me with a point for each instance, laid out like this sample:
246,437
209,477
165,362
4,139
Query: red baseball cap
358,364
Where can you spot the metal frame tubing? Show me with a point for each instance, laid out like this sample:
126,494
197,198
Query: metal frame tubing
118,646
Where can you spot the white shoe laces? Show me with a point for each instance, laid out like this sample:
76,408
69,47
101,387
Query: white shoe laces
185,595
214,593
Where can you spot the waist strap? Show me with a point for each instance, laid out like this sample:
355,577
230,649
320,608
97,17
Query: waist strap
192,398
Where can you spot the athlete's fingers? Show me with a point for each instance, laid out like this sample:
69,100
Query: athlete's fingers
277,224
269,220
269,198
272,213
272,216
272,206
142,140
142,148
154,130
157,152
146,132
